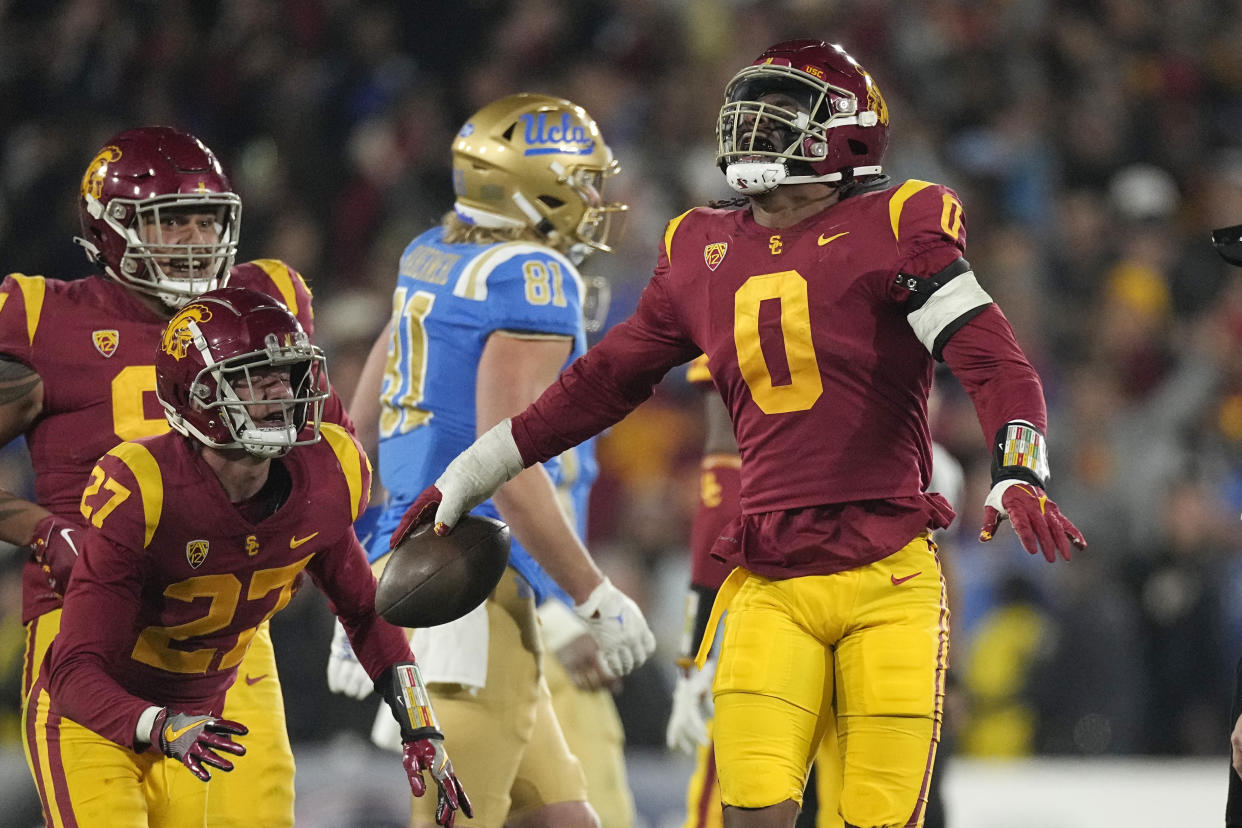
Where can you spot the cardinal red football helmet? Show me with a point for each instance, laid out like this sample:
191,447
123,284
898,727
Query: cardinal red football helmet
138,186
804,111
233,352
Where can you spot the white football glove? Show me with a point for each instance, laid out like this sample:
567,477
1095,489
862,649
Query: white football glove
345,675
625,641
692,707
472,477
567,637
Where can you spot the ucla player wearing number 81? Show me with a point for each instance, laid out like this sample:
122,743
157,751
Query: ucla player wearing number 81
487,310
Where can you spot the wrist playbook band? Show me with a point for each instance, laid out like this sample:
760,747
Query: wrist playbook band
1020,452
403,688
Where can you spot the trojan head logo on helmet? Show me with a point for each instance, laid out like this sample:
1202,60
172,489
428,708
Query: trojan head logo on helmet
803,112
536,161
234,369
158,214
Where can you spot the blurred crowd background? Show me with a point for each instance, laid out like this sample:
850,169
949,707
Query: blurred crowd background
1094,143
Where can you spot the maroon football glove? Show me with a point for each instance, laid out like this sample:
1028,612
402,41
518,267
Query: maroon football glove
1036,520
55,549
421,510
428,754
194,740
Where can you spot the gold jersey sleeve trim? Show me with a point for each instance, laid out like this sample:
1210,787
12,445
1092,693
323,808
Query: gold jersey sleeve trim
669,231
697,371
898,202
146,471
282,276
351,460
33,288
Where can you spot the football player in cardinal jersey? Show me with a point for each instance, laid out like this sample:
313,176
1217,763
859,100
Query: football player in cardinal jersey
160,220
822,303
487,310
195,538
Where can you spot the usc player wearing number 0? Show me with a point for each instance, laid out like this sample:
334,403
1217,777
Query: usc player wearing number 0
822,301
160,221
196,537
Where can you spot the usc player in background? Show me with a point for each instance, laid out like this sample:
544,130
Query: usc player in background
822,302
197,537
161,222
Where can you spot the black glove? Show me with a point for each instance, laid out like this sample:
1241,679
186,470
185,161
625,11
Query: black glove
193,740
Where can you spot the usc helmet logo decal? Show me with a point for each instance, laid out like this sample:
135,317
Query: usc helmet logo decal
177,336
92,182
875,100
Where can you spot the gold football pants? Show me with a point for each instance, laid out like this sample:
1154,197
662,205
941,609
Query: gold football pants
870,643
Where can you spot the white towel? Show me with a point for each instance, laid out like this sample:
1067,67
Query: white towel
452,653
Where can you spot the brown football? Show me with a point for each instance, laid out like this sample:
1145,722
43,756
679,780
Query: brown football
432,579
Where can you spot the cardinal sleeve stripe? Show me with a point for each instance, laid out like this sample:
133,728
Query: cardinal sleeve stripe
347,455
33,289
898,202
146,471
282,277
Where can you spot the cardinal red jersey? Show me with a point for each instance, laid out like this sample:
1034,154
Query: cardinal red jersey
174,580
818,351
93,344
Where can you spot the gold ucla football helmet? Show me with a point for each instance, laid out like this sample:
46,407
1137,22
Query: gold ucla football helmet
536,161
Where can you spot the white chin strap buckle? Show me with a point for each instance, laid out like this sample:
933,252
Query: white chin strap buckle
755,177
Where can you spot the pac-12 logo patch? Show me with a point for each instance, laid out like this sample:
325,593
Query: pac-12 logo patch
196,553
106,341
713,254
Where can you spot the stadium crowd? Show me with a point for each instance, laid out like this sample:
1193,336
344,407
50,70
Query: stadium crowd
1095,146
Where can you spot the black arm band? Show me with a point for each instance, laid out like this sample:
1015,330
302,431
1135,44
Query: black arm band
922,289
403,690
1019,452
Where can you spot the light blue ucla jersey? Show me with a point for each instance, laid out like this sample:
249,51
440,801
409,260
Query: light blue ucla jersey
448,300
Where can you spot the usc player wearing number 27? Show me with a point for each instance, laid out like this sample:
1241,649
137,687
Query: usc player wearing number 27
197,537
821,301
77,377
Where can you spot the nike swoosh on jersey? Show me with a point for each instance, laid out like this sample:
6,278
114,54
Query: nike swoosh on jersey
171,735
256,679
294,543
899,581
826,239
65,533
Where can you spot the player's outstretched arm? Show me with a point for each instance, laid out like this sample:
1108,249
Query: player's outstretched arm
422,740
1008,398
